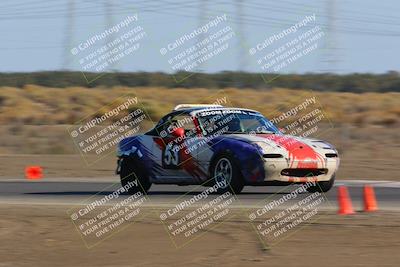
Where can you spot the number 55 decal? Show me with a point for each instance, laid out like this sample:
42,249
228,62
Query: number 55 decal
170,157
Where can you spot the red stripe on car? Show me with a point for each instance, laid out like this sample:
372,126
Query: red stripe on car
301,155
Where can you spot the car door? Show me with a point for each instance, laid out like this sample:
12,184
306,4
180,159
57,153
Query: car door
170,150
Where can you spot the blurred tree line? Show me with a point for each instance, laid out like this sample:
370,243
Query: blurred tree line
356,82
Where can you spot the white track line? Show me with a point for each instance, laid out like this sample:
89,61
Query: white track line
359,183
351,183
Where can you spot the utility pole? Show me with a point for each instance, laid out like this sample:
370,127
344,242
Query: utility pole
331,58
69,32
109,20
201,20
242,62
240,42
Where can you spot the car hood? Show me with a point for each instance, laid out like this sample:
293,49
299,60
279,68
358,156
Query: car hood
287,145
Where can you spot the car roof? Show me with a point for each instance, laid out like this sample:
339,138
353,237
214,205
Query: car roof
195,110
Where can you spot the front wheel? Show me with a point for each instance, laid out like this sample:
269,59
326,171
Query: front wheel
323,186
226,174
133,177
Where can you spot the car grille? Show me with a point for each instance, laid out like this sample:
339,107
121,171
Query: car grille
303,172
331,155
272,156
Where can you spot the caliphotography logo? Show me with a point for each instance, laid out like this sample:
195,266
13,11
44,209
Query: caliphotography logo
199,133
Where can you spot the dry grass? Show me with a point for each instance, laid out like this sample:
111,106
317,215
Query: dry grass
365,126
39,105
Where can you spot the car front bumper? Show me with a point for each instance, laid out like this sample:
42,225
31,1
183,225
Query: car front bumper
300,172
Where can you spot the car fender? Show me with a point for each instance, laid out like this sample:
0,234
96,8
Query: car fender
245,154
139,148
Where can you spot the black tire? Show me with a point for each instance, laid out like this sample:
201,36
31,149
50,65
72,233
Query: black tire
130,172
324,186
236,183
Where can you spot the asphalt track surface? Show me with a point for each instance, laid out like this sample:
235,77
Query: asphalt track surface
75,191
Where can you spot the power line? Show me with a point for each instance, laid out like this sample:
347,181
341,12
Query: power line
252,20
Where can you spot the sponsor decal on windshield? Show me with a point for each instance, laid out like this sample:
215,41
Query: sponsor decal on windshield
227,111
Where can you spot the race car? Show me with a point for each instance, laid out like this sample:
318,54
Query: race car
231,147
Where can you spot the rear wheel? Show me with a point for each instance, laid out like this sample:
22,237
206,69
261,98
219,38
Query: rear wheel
226,174
323,186
133,177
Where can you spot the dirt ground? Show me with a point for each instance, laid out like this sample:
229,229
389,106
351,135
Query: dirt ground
356,164
367,153
45,236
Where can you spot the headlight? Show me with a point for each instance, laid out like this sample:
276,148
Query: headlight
263,146
323,145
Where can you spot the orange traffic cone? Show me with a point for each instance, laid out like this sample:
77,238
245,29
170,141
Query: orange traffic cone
345,206
369,199
34,172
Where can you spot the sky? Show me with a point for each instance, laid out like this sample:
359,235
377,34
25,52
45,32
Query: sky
358,35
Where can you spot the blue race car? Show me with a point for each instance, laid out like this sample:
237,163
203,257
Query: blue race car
209,144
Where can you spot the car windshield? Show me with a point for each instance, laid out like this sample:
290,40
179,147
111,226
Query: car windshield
234,121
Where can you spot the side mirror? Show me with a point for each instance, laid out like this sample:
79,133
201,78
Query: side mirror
178,132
